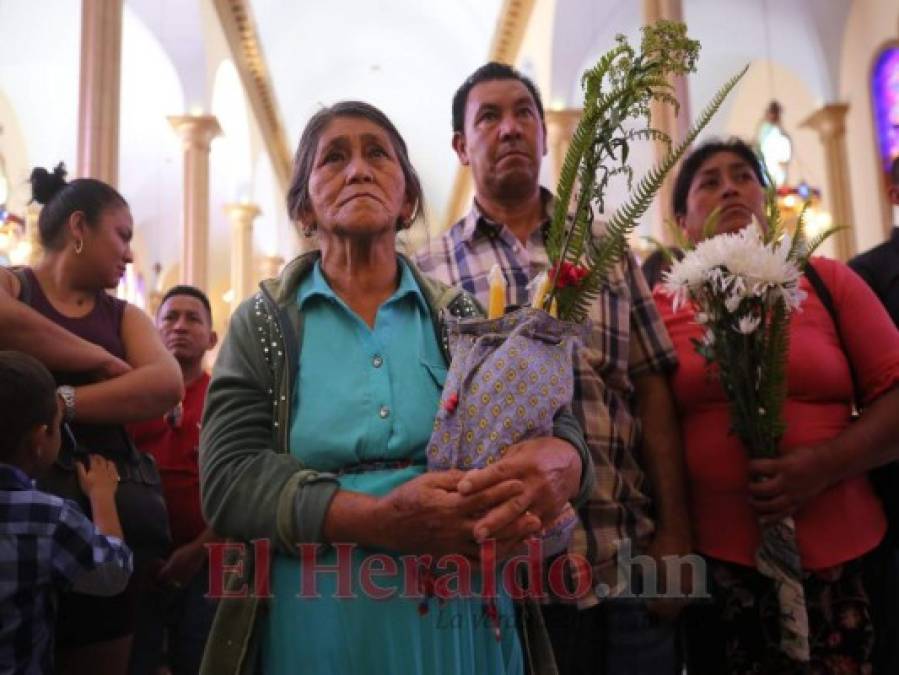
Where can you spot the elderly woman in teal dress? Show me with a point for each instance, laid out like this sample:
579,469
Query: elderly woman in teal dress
318,413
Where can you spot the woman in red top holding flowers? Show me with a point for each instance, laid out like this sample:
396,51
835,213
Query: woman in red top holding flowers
821,477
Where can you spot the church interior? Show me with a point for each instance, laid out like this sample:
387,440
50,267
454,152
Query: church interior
192,109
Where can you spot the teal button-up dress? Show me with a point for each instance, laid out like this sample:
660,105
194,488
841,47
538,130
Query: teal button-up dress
368,395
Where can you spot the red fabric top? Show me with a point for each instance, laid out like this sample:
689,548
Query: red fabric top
844,521
174,445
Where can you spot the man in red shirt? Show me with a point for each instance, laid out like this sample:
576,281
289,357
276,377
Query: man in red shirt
178,614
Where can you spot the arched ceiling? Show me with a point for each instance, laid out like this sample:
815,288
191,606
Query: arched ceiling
405,56
805,37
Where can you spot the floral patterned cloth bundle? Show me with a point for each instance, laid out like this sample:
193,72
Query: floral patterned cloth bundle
508,379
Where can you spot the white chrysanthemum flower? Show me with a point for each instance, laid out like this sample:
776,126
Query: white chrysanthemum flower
735,266
732,302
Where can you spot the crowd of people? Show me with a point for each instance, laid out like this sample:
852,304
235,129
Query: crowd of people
133,484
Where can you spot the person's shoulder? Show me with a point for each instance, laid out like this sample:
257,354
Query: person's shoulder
33,511
829,267
840,279
438,246
11,280
882,254
249,312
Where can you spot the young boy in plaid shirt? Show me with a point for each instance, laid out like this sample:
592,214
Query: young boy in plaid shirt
47,544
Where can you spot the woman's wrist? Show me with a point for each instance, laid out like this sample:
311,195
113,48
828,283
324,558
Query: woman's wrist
358,518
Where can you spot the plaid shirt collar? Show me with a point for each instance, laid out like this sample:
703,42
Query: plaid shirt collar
477,223
13,478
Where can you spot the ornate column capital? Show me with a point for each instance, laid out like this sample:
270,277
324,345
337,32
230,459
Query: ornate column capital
196,131
563,120
560,126
829,121
241,214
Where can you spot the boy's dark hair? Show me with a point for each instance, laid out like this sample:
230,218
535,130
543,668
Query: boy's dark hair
27,399
697,158
487,73
192,291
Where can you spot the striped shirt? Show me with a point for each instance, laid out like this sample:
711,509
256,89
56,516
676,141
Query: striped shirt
628,339
47,545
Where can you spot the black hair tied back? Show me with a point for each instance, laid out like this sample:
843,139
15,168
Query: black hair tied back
45,185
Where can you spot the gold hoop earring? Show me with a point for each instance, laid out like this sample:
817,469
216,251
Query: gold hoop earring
79,246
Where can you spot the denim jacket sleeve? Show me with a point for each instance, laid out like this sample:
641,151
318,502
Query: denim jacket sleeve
251,486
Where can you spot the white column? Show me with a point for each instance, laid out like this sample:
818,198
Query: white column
99,86
196,132
243,277
830,123
663,116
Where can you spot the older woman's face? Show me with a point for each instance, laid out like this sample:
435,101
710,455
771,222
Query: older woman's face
724,180
357,186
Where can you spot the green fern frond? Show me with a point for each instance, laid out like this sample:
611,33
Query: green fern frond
710,226
773,385
625,218
798,245
774,229
816,241
678,236
600,147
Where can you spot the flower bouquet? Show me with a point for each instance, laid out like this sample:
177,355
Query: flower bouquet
744,286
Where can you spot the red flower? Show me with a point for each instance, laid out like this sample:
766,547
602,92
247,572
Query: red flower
570,274
451,402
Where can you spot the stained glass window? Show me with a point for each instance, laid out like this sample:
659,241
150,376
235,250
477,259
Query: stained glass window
885,86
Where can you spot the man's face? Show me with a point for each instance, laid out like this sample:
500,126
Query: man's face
184,325
504,139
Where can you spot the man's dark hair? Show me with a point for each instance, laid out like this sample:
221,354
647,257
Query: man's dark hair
894,172
487,73
698,157
192,291
27,399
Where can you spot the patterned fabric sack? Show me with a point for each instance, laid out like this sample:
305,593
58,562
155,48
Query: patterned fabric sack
508,379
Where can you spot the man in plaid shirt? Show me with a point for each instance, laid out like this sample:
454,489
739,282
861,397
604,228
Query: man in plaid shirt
622,398
47,544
